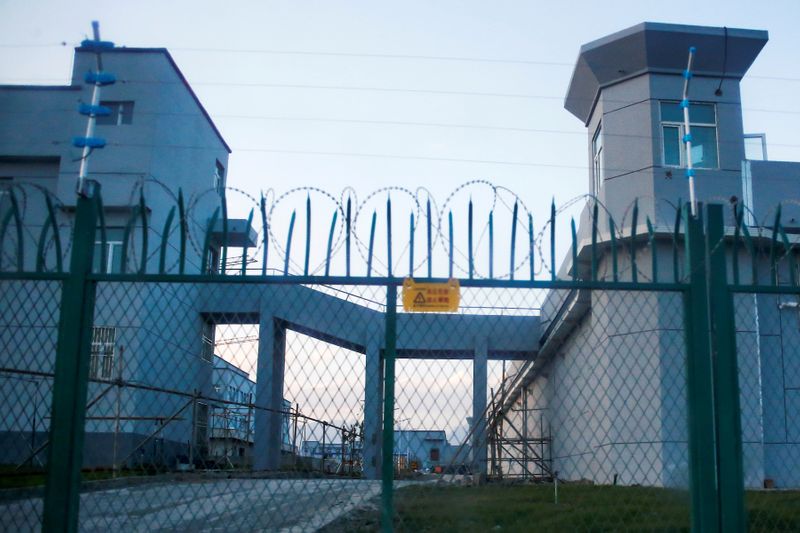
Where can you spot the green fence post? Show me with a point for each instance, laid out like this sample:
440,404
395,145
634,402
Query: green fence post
62,491
387,468
700,390
726,380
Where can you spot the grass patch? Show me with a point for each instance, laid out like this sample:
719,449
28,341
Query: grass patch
580,508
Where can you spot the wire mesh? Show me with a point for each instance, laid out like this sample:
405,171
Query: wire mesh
768,353
582,426
29,314
219,401
229,406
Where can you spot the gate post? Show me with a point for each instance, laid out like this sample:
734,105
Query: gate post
699,380
70,382
726,380
387,469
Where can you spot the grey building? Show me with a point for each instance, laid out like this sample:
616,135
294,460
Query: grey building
610,371
232,424
159,139
419,449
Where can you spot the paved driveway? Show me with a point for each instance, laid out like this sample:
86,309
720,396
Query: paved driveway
218,505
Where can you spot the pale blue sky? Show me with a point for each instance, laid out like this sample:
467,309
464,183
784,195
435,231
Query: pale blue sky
543,36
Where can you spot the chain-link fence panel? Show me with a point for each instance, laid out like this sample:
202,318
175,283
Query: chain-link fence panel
29,314
768,353
211,405
560,410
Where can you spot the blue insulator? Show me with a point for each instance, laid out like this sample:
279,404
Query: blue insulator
94,110
90,142
97,46
689,172
100,78
687,74
684,103
687,138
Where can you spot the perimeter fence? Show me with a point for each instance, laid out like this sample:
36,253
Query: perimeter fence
651,384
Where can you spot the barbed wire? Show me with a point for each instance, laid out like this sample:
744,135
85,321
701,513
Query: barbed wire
197,213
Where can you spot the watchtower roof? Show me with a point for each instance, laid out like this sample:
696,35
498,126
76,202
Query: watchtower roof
661,48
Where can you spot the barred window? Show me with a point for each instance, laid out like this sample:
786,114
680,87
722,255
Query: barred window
101,361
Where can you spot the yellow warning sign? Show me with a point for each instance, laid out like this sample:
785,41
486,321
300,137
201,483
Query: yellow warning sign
431,297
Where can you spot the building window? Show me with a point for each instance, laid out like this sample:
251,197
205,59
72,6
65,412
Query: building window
121,113
113,264
597,160
101,360
219,177
434,454
703,126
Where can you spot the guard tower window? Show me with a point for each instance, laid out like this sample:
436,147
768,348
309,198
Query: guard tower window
121,113
597,161
703,125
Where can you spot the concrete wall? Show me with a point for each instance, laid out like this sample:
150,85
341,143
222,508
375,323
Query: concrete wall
609,391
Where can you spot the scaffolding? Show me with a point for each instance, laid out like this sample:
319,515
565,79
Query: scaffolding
519,439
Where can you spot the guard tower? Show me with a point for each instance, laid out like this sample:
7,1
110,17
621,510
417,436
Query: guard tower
626,89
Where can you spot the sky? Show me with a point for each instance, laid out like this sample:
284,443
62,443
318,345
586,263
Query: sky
357,93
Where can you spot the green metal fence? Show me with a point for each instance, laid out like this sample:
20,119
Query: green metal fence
644,387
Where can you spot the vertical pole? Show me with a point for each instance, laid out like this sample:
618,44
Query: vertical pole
294,431
700,390
541,443
373,402
324,427
61,498
726,380
248,420
194,428
469,240
429,242
117,409
525,444
479,378
493,436
387,470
